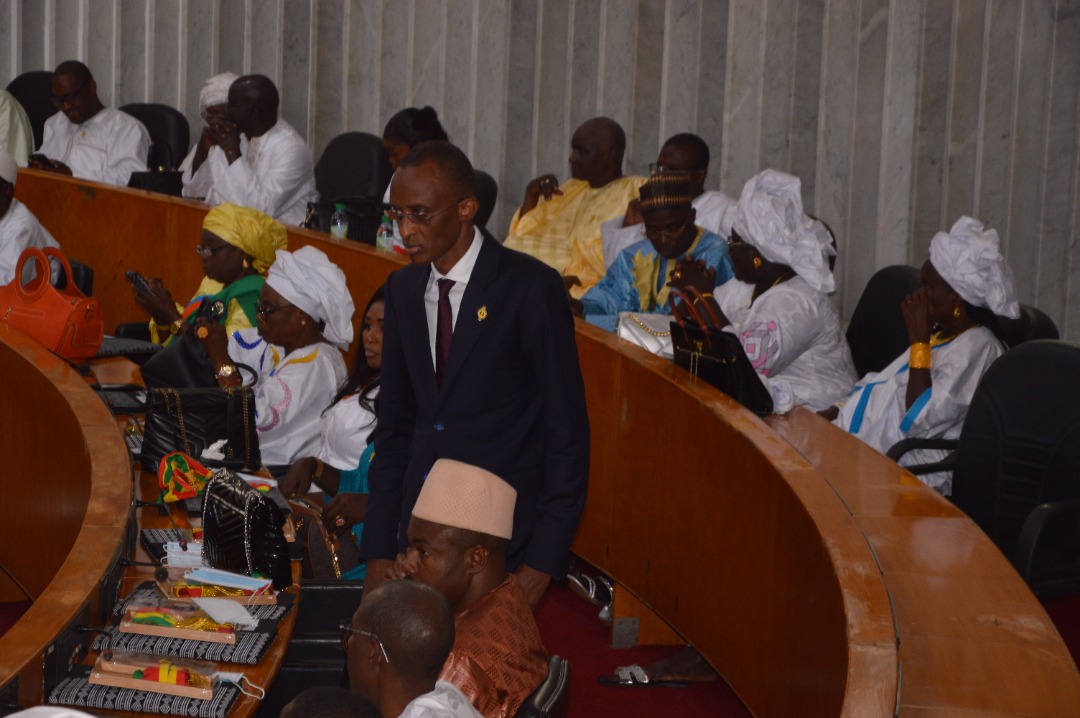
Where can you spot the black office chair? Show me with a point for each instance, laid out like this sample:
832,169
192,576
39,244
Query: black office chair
169,133
487,191
1032,324
552,698
354,164
81,274
1017,462
877,333
33,90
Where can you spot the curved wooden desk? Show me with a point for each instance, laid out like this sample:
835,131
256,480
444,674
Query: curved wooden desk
67,476
817,576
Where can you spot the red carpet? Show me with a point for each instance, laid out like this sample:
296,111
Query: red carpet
571,629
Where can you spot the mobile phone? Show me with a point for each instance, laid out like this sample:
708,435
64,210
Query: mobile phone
138,281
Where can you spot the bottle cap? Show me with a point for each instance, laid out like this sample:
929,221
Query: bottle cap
340,206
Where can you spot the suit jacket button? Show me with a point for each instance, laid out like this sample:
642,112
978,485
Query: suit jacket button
438,427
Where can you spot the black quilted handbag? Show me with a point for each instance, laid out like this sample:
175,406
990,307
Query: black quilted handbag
242,530
190,420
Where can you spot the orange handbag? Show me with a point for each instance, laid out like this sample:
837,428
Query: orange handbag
64,321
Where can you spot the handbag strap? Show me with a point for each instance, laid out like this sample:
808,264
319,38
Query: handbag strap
69,288
41,283
699,297
694,313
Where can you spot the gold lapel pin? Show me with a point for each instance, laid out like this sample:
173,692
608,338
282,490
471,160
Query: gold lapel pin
481,313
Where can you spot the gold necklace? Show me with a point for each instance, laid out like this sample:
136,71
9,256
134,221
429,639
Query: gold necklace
936,339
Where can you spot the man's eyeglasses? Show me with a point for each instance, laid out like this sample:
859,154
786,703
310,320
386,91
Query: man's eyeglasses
346,634
208,252
658,169
69,98
658,233
263,311
399,215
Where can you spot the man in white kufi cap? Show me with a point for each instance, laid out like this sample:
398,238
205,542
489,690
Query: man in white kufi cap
951,321
19,228
460,529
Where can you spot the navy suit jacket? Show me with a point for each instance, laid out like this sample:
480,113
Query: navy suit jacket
512,402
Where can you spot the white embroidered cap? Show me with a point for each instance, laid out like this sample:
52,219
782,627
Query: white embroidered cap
215,91
969,258
467,497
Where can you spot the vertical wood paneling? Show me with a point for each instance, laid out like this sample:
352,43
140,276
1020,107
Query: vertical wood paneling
898,115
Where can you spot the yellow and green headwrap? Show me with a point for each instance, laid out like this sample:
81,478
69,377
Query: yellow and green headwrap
252,231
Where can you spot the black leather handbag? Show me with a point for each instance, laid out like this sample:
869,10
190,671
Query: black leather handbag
716,356
190,420
242,530
184,362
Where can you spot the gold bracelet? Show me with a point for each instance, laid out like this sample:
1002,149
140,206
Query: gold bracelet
703,296
919,356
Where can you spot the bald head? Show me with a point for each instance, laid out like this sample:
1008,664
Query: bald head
253,104
75,92
414,623
596,151
686,152
76,69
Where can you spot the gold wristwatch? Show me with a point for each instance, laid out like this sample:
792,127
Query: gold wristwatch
174,328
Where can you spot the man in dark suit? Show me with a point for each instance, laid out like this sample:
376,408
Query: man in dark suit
479,365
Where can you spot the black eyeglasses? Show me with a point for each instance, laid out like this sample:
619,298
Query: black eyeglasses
70,97
398,215
346,634
664,232
263,311
208,252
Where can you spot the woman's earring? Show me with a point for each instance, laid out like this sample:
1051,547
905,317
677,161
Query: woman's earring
303,322
757,262
246,264
956,313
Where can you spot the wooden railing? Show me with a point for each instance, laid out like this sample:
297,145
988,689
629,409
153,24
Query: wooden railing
815,575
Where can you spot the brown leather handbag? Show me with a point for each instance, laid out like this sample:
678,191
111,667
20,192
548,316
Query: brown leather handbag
325,556
64,321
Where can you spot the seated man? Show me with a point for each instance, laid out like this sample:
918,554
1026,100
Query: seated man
263,163
460,529
396,647
638,279
715,210
16,134
563,230
86,139
19,228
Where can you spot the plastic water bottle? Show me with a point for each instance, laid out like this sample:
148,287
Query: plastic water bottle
384,240
339,223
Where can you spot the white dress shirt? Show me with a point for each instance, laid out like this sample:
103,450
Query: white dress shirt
107,148
19,229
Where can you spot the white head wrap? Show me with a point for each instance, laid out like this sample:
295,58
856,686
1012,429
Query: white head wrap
309,280
215,91
467,497
969,259
770,217
9,170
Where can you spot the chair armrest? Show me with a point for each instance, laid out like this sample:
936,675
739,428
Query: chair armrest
1034,525
946,464
903,446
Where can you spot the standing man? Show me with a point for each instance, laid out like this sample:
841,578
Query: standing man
479,365
560,224
263,163
86,139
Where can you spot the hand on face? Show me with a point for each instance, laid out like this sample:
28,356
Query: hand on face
917,316
693,273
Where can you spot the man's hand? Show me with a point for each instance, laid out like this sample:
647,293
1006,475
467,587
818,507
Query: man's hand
693,273
543,186
343,511
570,282
577,308
41,162
297,479
533,583
225,135
633,213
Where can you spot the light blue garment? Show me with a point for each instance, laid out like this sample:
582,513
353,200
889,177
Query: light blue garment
619,290
355,481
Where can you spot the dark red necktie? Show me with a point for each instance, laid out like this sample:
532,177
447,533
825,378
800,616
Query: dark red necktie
444,329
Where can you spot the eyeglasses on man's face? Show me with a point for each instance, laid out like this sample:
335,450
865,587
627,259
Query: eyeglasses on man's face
346,633
70,98
423,217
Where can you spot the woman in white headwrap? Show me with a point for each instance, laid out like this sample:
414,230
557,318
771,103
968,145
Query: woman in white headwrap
951,321
777,303
213,104
304,323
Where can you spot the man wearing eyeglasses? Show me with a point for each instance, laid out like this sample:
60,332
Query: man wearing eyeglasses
686,153
638,280
480,365
86,139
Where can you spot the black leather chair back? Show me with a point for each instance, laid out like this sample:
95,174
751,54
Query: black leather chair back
170,134
877,333
487,191
354,164
33,90
1020,445
552,698
1032,323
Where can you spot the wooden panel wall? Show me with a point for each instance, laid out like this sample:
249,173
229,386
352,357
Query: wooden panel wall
898,115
